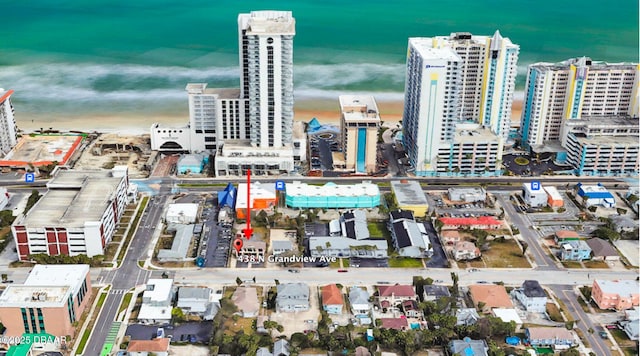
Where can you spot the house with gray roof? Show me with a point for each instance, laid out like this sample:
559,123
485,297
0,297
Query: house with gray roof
467,316
409,237
281,246
197,301
531,296
468,347
292,297
435,291
602,250
360,306
183,233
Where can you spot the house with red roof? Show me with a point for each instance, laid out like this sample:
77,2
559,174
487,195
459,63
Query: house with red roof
481,222
159,347
394,323
392,295
332,300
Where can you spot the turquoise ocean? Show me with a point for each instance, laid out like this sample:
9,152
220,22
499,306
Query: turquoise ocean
75,57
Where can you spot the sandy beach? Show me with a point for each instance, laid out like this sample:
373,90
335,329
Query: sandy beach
327,111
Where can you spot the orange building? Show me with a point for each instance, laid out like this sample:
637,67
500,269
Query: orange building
618,295
50,301
262,197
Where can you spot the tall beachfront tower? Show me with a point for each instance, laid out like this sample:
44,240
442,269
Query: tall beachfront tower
359,123
266,81
8,130
574,89
431,106
489,68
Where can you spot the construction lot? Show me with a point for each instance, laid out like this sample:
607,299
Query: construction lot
111,149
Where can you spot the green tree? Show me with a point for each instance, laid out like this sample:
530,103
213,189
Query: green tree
177,315
31,201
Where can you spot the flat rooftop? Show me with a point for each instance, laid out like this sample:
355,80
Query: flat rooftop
157,290
624,288
359,108
408,192
425,46
582,61
18,296
630,140
474,133
298,188
74,197
269,22
41,150
257,191
57,275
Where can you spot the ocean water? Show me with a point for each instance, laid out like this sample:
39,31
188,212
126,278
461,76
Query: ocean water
70,57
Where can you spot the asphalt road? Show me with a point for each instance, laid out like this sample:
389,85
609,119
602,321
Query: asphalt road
568,296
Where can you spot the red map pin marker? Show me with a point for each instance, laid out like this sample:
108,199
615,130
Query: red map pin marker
237,243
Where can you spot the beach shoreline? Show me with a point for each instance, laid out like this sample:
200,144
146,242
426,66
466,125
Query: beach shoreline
325,110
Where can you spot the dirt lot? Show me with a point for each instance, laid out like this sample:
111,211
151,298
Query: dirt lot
112,149
190,350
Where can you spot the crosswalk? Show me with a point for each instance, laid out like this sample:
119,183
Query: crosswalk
117,291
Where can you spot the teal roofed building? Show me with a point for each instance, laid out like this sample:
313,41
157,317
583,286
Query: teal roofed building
332,196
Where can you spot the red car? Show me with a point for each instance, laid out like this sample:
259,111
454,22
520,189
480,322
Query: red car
342,271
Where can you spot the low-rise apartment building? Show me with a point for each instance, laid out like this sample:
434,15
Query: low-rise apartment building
617,295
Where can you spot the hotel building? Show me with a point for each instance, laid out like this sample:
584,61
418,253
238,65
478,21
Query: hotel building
458,97
50,301
573,89
250,127
359,123
77,215
8,131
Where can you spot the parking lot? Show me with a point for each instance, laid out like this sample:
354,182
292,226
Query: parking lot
217,237
194,332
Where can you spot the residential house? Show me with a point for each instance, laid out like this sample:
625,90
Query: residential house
252,248
409,237
480,223
549,337
389,296
562,236
449,237
508,315
435,291
360,306
281,246
465,250
575,250
157,302
280,348
394,323
617,294
602,250
467,316
246,300
468,347
531,296
362,351
292,297
488,296
410,308
196,301
631,323
156,347
332,300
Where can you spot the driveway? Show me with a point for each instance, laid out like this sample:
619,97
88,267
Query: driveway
439,258
295,321
201,330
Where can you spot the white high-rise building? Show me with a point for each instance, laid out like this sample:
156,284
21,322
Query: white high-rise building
458,97
266,62
573,89
8,130
488,78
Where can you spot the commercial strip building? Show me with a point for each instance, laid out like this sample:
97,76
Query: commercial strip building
534,194
8,129
467,195
458,97
556,93
51,301
77,215
157,302
261,197
554,199
596,195
181,213
331,195
410,196
359,124
250,127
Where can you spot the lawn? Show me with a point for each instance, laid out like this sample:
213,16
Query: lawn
596,264
521,161
554,312
232,327
132,229
405,262
83,319
337,263
505,254
571,264
378,229
125,302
